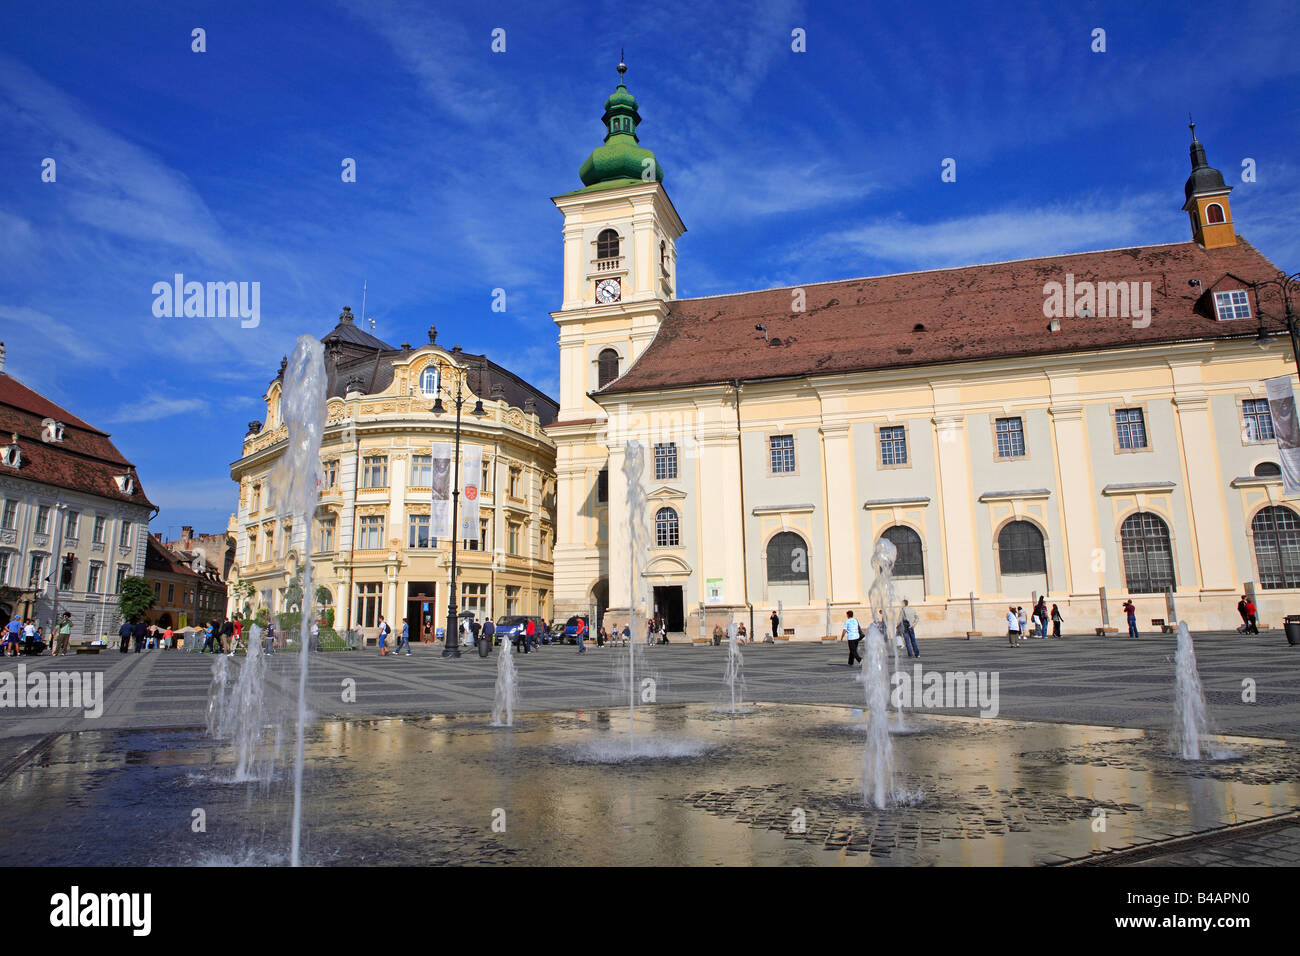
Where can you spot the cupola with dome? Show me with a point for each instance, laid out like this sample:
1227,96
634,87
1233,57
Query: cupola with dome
622,160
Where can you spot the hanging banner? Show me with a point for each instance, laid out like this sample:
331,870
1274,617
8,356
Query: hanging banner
1281,406
471,473
440,515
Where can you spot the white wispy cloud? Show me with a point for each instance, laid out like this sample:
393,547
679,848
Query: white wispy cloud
154,406
1023,232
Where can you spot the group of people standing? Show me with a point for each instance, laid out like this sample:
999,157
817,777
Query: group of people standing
1021,625
26,636
904,632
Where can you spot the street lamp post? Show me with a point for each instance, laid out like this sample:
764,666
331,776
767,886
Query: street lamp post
1287,285
451,644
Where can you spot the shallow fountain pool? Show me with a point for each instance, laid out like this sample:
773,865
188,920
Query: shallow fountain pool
781,785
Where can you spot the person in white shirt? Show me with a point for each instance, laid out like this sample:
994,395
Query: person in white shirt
853,632
1013,627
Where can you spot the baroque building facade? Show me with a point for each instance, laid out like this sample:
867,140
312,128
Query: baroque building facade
370,544
1088,427
74,518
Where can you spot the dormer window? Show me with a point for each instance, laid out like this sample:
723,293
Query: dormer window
1233,304
51,431
11,455
1213,214
125,484
607,244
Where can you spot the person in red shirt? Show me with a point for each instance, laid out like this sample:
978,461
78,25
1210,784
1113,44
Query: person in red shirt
530,635
1252,617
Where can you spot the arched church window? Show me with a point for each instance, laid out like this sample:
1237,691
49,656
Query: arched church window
607,244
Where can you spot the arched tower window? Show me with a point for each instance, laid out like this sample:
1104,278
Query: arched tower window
667,534
910,563
607,244
1268,469
787,559
606,367
1277,547
1213,213
1020,549
1148,554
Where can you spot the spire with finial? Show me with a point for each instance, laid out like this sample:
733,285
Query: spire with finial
1206,197
622,67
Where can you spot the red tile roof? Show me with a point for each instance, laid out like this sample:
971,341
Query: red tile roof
84,461
972,313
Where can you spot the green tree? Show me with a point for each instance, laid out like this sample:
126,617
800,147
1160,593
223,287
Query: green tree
135,598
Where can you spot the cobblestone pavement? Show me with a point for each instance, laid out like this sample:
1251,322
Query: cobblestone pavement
1252,686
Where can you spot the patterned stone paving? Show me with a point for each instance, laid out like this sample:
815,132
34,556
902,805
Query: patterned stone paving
836,818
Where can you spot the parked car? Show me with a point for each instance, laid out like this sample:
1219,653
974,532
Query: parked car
570,633
514,626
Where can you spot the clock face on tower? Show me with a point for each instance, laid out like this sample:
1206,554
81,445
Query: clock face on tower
608,290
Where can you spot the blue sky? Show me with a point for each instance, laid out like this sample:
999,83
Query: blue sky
786,167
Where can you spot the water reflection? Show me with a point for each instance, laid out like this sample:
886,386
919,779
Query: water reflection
717,791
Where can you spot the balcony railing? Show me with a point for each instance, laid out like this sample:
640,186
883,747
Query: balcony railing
612,264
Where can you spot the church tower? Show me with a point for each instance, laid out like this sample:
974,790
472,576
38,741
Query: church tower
620,275
1207,201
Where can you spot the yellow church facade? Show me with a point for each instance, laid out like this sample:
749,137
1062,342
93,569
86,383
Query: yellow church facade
1090,428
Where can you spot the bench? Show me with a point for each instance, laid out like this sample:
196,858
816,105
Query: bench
88,648
1164,628
1103,631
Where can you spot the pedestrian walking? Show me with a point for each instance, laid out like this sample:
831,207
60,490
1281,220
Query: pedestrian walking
1245,618
1041,611
384,630
1022,620
909,630
139,633
1252,617
663,630
406,639
226,636
1013,627
530,634
1131,612
776,621
124,633
852,632
581,629
207,638
1056,621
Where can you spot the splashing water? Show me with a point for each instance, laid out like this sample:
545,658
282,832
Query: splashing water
735,661
296,479
884,601
633,466
240,710
878,757
1191,717
506,697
